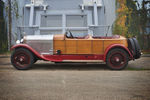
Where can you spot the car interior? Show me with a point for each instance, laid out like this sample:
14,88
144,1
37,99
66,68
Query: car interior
69,34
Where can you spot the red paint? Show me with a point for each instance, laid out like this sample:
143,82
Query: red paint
27,47
60,58
114,46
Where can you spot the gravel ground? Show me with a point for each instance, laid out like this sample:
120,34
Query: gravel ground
142,63
46,81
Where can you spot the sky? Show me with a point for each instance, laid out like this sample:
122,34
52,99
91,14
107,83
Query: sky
139,0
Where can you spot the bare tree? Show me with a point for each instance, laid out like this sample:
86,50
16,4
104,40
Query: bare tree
9,24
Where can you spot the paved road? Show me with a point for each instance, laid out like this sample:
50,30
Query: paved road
46,81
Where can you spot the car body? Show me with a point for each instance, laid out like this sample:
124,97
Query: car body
116,50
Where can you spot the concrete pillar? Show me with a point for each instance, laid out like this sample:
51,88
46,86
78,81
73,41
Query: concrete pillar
64,23
95,14
31,15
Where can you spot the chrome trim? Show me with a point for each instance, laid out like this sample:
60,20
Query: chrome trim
45,53
18,42
39,37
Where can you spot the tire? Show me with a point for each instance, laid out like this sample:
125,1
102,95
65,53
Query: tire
22,59
134,48
137,49
117,59
35,60
131,46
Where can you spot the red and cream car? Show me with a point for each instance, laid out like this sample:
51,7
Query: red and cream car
116,50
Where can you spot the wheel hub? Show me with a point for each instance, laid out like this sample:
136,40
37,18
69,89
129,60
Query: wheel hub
117,59
21,59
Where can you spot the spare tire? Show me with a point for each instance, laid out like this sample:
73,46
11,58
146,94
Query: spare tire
137,48
134,47
131,46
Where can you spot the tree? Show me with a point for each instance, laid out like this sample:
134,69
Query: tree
144,18
11,9
3,34
120,23
9,24
132,19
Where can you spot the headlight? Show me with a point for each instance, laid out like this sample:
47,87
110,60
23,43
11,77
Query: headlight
18,42
21,41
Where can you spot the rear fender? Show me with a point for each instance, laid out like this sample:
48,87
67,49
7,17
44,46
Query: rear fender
117,46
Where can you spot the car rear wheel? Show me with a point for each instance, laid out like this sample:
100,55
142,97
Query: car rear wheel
22,59
117,59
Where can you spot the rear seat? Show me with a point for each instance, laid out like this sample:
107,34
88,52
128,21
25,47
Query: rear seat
79,36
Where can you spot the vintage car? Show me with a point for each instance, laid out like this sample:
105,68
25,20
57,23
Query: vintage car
116,50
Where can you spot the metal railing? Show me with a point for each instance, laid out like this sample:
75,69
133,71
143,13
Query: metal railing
101,30
25,30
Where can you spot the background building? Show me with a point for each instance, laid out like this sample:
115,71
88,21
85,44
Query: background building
30,17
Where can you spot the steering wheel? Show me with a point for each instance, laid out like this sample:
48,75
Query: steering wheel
71,34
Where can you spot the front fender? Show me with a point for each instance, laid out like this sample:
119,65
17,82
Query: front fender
27,47
117,46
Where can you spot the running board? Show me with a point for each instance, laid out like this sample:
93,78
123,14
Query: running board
92,61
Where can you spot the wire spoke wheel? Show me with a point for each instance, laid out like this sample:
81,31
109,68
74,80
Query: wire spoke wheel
22,59
117,59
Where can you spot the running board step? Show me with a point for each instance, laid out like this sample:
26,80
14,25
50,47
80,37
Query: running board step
92,61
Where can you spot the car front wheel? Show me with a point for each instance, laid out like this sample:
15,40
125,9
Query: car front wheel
22,59
117,59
